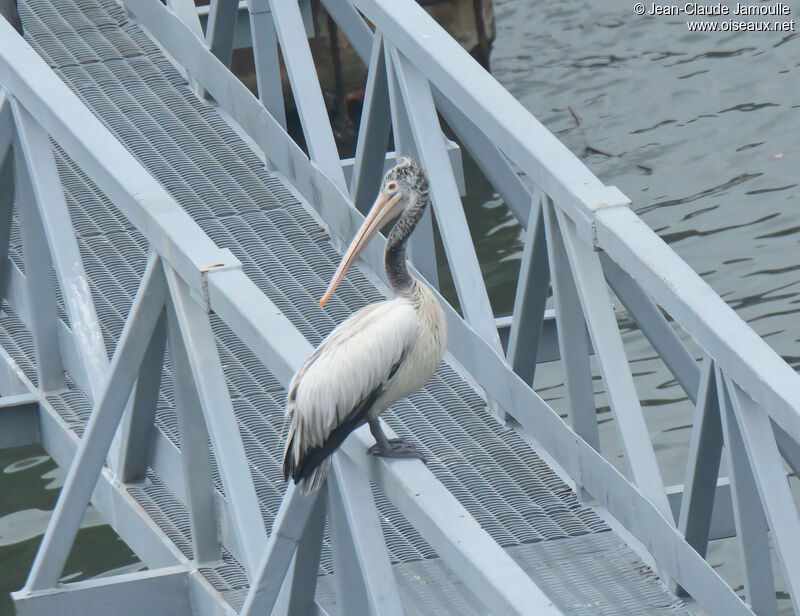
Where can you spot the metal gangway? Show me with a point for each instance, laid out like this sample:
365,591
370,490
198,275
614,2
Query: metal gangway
154,212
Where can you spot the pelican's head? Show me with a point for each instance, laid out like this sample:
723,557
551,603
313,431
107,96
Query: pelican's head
404,187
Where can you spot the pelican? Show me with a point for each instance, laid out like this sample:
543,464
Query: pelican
382,353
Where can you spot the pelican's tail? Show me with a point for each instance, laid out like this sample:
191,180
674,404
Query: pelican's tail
317,477
305,468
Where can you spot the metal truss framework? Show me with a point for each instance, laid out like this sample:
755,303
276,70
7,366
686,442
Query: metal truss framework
581,239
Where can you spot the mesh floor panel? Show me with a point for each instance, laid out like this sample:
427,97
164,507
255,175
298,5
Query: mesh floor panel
125,80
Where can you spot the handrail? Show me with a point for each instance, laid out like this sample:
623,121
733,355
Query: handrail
703,314
599,212
492,108
171,231
580,205
216,281
266,332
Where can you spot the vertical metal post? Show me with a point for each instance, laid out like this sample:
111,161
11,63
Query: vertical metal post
306,90
702,469
531,297
221,27
39,280
265,55
751,525
139,424
421,246
573,339
453,227
373,132
287,529
195,453
50,207
214,400
306,563
364,577
771,482
614,367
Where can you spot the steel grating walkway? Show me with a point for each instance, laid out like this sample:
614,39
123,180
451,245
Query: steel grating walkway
122,76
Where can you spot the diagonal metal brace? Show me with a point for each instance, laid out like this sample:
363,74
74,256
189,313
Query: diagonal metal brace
287,529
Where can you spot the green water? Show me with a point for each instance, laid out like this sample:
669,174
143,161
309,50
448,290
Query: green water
29,485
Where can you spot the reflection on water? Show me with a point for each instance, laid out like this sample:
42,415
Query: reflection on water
700,131
29,486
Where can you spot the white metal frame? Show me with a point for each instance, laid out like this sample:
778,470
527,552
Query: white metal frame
748,399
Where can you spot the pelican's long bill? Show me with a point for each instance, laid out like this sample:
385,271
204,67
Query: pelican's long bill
386,207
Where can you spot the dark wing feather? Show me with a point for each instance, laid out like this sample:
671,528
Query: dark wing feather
333,392
314,457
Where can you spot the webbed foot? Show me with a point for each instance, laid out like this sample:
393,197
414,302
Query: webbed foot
396,448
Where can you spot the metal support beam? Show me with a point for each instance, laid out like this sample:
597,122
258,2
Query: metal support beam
287,529
198,477
136,438
306,90
306,563
39,287
373,132
421,247
654,326
610,352
702,469
452,222
490,159
51,208
722,523
214,399
789,448
573,339
365,581
220,28
353,25
99,431
265,56
751,524
771,482
530,299
158,591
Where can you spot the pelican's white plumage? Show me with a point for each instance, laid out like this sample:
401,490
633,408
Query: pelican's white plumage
382,353
352,362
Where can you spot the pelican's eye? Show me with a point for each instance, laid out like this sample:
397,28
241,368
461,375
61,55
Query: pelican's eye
392,186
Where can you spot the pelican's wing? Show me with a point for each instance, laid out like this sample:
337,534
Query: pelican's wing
333,391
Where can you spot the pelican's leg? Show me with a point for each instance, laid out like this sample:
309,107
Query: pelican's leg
391,448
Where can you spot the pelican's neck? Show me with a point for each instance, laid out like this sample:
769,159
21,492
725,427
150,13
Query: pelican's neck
395,255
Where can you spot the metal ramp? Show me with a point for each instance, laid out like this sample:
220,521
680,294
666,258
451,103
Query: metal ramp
274,231
126,81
